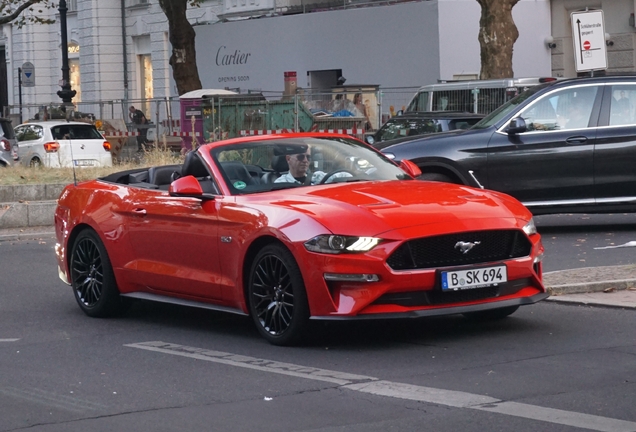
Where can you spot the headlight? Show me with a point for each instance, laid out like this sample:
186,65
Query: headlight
530,228
336,244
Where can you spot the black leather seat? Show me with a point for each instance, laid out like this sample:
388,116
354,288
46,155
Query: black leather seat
162,175
193,165
236,171
279,165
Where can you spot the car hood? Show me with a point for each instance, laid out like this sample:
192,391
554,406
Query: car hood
382,145
373,208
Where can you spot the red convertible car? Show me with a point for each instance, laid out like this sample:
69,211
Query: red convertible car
287,228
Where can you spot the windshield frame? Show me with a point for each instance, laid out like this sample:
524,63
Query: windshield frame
509,107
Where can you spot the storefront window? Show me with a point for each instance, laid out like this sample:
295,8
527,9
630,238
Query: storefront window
74,70
146,81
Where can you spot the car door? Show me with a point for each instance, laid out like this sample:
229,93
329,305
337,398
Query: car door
175,243
615,150
552,162
30,143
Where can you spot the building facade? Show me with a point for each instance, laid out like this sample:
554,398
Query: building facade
119,49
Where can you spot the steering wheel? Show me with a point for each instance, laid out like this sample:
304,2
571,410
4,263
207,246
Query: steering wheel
332,173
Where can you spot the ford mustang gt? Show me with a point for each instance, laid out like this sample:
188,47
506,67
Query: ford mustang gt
288,228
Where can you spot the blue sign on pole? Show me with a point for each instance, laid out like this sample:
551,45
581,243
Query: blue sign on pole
28,74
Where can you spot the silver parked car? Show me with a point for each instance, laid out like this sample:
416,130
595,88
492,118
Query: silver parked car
8,144
59,143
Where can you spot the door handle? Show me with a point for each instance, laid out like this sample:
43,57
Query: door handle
139,211
576,140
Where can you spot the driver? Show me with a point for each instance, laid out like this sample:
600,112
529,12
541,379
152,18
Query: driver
299,170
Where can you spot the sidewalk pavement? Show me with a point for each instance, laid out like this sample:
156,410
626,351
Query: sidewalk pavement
610,286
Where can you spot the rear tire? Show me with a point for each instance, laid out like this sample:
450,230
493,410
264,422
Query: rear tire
277,297
436,177
92,277
35,162
491,315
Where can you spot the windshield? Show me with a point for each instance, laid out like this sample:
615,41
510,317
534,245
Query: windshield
254,167
403,127
507,108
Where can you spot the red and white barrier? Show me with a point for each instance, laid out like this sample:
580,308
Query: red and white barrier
265,132
171,123
109,134
279,131
342,131
184,134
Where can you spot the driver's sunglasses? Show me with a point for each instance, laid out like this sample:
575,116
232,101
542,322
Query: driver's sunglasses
301,157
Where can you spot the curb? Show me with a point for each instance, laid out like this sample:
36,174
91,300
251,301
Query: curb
27,233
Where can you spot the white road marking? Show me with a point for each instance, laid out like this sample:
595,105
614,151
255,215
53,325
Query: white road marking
628,244
378,387
9,340
335,377
484,403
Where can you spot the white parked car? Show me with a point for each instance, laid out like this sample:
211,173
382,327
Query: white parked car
58,143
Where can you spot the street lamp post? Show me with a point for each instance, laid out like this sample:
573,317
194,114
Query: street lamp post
66,94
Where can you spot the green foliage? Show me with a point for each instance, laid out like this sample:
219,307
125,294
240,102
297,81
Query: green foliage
21,12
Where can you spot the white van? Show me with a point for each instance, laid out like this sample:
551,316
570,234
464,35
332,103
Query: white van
476,96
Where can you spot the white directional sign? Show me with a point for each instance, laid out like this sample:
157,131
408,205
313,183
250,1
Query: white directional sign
588,33
28,74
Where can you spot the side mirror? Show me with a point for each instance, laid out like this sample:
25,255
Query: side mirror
410,168
369,139
187,186
517,125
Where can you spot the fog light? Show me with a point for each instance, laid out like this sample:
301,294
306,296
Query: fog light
351,277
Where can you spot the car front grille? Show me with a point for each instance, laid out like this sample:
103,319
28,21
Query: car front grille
437,297
446,250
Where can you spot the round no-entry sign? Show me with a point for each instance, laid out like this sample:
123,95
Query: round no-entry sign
587,45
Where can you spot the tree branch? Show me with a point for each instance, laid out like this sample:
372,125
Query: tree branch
10,18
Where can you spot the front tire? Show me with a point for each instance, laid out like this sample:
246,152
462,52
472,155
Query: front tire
436,177
492,315
92,277
277,297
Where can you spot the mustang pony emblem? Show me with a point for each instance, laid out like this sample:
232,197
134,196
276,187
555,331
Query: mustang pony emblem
464,247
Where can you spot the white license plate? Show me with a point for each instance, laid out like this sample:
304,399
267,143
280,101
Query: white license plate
85,162
474,278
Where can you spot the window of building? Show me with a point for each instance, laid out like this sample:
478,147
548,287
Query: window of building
74,70
145,63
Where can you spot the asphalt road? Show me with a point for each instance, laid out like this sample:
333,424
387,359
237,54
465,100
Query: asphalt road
581,240
164,368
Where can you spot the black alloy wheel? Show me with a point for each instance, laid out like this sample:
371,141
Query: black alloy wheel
92,277
277,297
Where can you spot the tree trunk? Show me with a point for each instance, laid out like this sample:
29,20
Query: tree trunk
497,36
181,35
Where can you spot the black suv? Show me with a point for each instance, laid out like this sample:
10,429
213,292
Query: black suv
420,123
566,146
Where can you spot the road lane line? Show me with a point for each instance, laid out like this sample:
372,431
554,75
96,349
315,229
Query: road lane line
371,385
459,399
568,418
334,377
10,340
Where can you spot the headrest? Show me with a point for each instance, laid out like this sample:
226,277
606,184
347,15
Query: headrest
279,164
193,165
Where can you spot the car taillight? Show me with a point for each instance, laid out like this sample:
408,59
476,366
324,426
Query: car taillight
106,146
51,147
6,145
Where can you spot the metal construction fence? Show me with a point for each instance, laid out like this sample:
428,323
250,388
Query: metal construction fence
183,122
